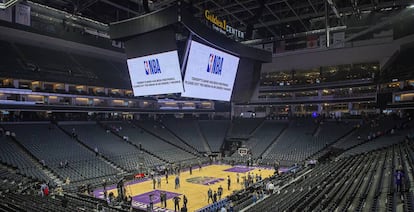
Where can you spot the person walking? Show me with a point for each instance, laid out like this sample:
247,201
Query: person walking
399,178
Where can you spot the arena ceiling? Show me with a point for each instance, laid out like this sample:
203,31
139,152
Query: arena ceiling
258,18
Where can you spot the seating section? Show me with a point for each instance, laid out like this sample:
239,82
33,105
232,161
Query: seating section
295,144
56,65
304,138
110,74
11,181
10,60
366,129
377,143
53,146
12,155
359,183
332,130
158,129
154,144
114,148
188,130
214,131
265,134
14,202
361,179
242,128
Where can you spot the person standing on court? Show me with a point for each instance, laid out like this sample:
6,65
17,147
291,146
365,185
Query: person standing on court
191,169
176,203
210,195
153,182
215,197
219,192
162,199
228,182
177,182
165,199
158,182
185,201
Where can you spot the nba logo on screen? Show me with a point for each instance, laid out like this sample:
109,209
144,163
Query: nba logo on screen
215,64
152,67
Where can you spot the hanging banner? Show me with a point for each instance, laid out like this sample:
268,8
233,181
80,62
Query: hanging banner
312,41
322,41
23,14
268,47
6,14
338,39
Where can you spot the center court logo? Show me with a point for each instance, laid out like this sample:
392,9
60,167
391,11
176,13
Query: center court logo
215,64
152,67
203,180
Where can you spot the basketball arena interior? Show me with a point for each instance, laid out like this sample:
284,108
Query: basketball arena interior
206,105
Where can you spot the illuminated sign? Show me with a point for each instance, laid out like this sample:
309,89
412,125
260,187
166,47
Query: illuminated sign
221,25
215,64
152,67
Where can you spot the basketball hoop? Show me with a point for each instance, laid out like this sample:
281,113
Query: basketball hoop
242,151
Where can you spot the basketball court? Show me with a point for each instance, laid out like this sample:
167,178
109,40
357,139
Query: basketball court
194,186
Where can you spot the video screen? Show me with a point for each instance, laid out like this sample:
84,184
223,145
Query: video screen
155,74
210,73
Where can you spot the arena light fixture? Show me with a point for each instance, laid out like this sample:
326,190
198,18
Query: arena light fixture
7,4
410,6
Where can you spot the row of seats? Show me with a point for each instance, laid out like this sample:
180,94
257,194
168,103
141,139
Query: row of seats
51,146
242,128
12,155
16,202
148,141
304,138
111,146
367,128
57,66
214,132
188,130
362,182
158,129
263,136
11,181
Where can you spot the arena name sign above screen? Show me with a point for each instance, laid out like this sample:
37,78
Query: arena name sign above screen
221,25
155,74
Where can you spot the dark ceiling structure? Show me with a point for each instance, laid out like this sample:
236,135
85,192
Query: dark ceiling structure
258,18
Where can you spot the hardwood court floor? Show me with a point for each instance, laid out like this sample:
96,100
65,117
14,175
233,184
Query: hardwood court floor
194,190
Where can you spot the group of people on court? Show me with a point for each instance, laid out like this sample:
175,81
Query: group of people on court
176,200
156,183
214,196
